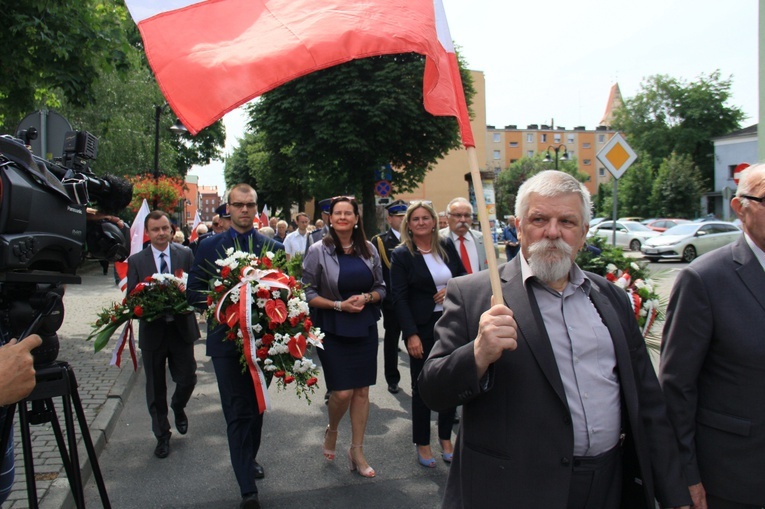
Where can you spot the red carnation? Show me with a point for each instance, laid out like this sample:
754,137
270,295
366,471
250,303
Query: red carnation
138,288
610,277
220,288
266,262
294,320
262,353
276,310
264,293
307,325
209,300
311,381
267,339
289,379
147,279
138,311
279,374
225,272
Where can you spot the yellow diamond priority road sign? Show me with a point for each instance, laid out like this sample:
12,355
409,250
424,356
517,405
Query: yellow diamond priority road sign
616,156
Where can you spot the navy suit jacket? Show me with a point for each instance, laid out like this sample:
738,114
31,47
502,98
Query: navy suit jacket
515,444
413,287
211,249
140,266
713,371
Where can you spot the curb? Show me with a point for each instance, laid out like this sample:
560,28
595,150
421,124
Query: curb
59,495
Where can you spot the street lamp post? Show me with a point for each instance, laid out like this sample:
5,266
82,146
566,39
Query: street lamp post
563,157
177,128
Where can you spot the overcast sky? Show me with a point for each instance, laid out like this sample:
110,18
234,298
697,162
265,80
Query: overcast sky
558,59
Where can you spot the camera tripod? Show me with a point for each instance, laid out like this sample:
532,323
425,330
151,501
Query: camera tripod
57,380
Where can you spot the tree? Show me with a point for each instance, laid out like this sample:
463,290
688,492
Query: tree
56,50
678,188
508,182
634,191
669,115
333,128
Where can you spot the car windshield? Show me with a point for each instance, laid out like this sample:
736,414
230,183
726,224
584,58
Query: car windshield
637,227
682,229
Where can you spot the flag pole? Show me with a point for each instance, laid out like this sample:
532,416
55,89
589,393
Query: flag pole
483,218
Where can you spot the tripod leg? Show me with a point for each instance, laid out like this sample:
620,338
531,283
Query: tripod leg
66,459
87,440
75,481
26,446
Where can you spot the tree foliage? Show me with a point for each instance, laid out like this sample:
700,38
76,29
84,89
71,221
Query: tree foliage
634,192
508,182
671,115
53,51
332,129
678,188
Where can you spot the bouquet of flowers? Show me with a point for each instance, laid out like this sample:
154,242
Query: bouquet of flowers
157,296
266,314
632,275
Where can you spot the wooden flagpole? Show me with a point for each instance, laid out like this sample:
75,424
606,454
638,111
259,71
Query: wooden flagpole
483,218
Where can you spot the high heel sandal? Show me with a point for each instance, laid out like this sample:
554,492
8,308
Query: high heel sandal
447,456
364,472
329,454
427,463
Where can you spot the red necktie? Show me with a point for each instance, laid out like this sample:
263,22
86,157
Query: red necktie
464,255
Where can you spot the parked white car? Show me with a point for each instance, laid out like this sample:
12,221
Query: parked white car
629,234
689,240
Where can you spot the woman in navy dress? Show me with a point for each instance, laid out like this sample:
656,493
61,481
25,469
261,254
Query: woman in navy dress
344,285
420,268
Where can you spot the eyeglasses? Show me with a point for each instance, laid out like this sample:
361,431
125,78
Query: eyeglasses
240,205
759,200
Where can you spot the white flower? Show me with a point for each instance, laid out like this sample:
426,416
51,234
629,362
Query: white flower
270,255
229,251
217,282
639,283
257,328
276,294
635,266
261,303
611,268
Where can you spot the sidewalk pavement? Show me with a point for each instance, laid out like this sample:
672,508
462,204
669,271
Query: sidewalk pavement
102,389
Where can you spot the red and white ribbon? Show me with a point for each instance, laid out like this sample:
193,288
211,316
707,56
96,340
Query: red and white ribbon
128,337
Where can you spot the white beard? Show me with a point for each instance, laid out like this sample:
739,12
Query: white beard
550,260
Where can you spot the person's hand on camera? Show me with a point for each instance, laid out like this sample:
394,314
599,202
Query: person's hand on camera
17,372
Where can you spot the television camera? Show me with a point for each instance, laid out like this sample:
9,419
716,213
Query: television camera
47,230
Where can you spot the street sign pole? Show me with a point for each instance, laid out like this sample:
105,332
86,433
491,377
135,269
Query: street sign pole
616,156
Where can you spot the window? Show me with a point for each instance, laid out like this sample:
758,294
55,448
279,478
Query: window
530,153
496,154
731,170
601,138
513,143
496,138
602,172
571,138
543,138
586,162
556,137
585,145
530,138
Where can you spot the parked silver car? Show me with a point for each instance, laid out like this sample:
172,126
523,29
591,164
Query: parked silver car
630,234
689,240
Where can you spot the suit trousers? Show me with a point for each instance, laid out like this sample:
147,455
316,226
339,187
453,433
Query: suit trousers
178,355
390,345
244,423
714,502
596,482
420,411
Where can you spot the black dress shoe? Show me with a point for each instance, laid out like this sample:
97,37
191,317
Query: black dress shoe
393,388
259,472
181,421
250,502
163,447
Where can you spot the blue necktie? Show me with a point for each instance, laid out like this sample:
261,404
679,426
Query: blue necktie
163,269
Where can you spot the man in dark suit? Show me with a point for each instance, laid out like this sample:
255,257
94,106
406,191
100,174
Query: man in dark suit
244,420
713,361
385,244
169,341
561,405
319,233
469,242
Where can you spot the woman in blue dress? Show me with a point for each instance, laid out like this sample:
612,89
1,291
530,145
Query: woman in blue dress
344,285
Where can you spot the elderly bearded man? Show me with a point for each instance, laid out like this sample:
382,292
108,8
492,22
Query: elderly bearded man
561,405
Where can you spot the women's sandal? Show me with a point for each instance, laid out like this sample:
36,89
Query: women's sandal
364,472
329,454
427,463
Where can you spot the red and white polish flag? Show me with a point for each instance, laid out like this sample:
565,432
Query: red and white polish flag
211,56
